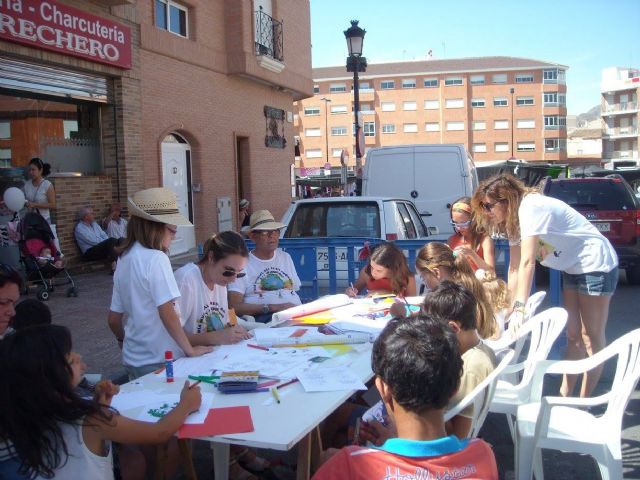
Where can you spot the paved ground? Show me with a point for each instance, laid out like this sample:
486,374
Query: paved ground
86,317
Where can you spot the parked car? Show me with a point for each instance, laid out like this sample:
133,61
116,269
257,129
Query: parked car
608,203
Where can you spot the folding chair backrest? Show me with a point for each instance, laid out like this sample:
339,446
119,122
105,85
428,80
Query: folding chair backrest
481,396
627,349
533,302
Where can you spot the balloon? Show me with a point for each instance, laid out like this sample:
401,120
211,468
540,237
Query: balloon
14,199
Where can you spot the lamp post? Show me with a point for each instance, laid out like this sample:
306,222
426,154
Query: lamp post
326,127
356,63
512,91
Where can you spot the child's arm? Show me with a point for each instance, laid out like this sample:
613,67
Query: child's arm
459,426
126,430
359,284
411,286
226,336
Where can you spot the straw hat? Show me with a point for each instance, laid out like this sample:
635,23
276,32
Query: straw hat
158,205
244,203
263,220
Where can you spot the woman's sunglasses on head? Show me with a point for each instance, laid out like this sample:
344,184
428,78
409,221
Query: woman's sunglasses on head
461,224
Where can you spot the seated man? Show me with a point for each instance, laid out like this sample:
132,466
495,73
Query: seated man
92,240
417,365
271,282
455,305
114,224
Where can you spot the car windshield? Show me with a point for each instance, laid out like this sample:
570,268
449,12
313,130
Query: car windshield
344,219
593,195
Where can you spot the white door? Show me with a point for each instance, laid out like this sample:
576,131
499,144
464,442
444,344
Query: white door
175,176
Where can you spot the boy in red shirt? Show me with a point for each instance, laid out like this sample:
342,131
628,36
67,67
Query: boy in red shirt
418,366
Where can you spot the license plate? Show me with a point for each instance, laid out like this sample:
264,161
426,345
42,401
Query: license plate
603,227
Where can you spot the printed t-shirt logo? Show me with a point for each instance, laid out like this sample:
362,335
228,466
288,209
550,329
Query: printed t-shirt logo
273,279
212,318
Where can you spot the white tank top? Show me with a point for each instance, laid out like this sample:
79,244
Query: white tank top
38,195
82,462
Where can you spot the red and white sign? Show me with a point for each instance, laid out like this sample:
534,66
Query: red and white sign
53,26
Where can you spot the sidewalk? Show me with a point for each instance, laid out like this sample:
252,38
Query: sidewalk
86,316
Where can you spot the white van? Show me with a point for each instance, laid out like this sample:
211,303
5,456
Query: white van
433,176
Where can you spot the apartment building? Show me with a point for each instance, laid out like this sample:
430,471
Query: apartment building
620,90
120,95
499,107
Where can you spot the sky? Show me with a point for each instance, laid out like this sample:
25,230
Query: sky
585,35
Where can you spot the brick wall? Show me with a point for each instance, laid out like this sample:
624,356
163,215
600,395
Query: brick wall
72,193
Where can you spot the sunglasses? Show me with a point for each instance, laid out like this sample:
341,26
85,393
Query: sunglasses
489,206
229,272
461,224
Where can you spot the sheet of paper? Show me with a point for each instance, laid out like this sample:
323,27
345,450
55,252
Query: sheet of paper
220,421
272,363
329,380
124,400
159,405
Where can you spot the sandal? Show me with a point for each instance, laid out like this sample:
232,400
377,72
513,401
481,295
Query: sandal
252,462
237,472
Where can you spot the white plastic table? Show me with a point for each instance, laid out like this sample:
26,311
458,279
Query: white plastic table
276,426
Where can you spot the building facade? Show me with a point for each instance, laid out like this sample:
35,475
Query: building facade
120,95
620,89
498,107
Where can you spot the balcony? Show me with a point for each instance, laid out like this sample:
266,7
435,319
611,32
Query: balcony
269,42
621,155
620,108
620,132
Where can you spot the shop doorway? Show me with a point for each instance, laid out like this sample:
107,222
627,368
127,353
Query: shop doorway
176,175
243,168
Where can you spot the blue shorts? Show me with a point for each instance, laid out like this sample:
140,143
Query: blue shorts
592,283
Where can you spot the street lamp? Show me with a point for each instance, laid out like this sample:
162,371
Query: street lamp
356,63
512,91
326,127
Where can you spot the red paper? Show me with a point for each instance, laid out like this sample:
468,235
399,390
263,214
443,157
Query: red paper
220,421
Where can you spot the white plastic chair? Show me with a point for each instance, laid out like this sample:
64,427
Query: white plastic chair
558,423
481,396
542,330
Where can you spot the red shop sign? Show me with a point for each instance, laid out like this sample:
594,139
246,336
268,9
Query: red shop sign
53,26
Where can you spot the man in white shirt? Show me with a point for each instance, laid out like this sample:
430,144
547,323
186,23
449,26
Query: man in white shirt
92,240
271,283
114,224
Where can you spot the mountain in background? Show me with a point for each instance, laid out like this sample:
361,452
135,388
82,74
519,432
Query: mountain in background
584,118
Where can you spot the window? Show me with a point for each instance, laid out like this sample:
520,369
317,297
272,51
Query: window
311,132
431,104
454,103
337,109
409,83
477,79
432,127
369,129
477,102
410,127
526,146
309,111
554,98
500,102
5,130
554,122
555,144
337,87
524,101
5,157
387,106
339,219
479,148
313,153
366,108
409,105
336,152
524,78
388,128
526,124
430,83
479,125
70,128
452,81
455,125
338,130
499,78
387,84
316,89
171,16
500,124
554,75
501,147
364,86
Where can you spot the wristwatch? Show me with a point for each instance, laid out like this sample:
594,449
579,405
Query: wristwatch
266,309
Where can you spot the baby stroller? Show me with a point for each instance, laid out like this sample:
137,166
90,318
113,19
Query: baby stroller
36,239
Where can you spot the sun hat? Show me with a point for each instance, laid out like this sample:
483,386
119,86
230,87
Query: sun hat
244,203
263,220
158,205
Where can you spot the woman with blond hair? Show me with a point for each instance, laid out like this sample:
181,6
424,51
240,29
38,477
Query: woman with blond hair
468,238
436,262
550,231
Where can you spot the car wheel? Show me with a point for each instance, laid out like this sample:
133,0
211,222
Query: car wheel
633,275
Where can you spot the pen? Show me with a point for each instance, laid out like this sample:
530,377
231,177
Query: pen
274,392
194,384
293,380
259,347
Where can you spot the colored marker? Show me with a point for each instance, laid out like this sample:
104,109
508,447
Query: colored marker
259,347
194,384
274,392
293,380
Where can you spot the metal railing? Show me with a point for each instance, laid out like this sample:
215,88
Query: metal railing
269,36
620,107
612,132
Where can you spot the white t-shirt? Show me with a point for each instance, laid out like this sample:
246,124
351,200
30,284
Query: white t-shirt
117,230
566,240
143,281
272,281
38,195
201,309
